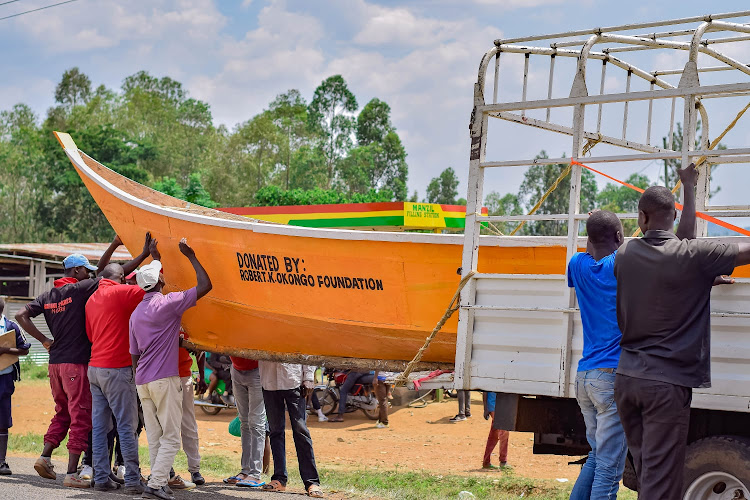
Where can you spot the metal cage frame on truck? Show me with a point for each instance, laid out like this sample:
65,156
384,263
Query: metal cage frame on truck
498,311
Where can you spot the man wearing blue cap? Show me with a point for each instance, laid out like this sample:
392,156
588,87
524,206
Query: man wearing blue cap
69,352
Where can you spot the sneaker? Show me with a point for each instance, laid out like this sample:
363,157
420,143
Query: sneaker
381,425
458,418
468,414
322,418
75,481
197,478
87,472
120,471
177,483
160,493
5,469
43,466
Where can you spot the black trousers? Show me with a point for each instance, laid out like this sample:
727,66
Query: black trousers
656,418
294,401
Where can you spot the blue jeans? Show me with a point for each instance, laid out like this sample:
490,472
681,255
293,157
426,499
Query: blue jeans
294,401
248,394
113,393
601,474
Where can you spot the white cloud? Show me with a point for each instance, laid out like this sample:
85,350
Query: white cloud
400,26
516,4
281,53
100,25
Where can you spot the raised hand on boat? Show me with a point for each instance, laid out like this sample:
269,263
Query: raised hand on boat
186,249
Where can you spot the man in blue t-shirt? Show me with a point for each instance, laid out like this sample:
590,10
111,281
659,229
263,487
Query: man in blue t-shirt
592,275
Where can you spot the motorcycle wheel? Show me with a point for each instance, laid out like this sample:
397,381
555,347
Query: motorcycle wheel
327,399
372,414
211,410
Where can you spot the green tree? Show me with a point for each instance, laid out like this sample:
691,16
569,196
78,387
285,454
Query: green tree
73,89
379,160
537,180
170,186
20,160
507,204
289,113
330,115
622,199
374,122
443,188
669,175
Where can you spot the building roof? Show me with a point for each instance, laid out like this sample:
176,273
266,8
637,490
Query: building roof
58,251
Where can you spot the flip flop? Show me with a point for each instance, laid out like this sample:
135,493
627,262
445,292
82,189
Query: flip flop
274,485
250,483
314,491
235,479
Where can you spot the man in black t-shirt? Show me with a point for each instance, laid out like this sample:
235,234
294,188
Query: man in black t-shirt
64,311
663,309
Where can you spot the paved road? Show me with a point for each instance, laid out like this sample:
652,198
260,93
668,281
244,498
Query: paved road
25,484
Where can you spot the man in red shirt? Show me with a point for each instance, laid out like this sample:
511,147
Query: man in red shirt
69,353
248,394
110,374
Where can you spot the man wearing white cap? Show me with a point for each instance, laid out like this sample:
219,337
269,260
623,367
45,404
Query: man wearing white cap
154,345
69,353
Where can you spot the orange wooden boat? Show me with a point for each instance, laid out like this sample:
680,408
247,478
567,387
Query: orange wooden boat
307,294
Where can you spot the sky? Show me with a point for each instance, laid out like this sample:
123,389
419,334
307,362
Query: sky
419,56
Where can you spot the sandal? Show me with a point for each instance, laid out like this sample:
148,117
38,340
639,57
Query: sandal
250,483
315,491
236,478
274,485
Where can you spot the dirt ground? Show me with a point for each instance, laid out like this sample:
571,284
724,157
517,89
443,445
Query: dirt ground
417,439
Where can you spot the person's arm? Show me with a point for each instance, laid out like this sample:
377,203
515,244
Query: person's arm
743,256
723,280
24,319
308,380
107,255
134,358
686,227
200,359
131,266
14,350
204,282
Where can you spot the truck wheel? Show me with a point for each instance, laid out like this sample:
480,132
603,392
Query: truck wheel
717,468
629,477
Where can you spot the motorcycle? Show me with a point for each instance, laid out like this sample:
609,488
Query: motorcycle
362,396
216,404
218,400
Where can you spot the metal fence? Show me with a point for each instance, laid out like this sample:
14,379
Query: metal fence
625,39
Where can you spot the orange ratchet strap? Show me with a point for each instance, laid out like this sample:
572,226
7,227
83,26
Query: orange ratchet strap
701,215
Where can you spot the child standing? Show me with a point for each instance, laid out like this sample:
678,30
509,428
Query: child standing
496,435
8,376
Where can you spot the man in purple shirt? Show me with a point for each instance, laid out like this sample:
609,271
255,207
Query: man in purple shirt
154,345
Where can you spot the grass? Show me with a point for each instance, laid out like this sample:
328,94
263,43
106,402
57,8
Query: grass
33,371
366,483
390,484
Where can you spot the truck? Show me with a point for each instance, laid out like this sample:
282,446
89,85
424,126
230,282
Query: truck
520,335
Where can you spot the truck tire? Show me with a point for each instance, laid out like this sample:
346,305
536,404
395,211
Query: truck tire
629,477
717,467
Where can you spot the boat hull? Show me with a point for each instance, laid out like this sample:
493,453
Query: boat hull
282,292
